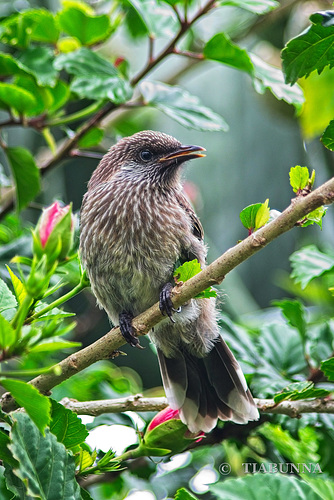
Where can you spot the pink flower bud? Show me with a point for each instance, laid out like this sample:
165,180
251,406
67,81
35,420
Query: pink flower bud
49,219
54,232
161,417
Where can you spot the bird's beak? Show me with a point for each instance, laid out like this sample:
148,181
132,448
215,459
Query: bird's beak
185,153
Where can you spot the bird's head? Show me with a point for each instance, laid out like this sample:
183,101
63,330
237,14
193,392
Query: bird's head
149,155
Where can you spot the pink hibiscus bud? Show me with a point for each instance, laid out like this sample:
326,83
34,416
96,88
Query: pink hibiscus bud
166,414
54,232
167,431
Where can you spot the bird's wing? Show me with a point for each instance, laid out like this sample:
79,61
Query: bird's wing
195,222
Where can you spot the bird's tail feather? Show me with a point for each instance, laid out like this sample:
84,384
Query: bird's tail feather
205,389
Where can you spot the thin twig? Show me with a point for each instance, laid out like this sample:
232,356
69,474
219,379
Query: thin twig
139,403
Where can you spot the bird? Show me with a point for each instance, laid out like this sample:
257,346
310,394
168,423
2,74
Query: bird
137,226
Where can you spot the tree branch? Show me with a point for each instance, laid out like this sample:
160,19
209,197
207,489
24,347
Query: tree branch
106,347
138,403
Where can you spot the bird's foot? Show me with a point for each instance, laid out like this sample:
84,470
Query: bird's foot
165,302
127,330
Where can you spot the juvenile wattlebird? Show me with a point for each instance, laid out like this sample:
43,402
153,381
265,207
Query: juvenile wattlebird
136,226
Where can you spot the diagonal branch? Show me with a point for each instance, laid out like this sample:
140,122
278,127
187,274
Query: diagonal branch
139,403
106,346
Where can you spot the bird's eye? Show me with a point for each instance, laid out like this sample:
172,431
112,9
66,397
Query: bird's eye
145,155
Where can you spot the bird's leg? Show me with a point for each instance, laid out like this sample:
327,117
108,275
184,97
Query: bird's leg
165,302
127,330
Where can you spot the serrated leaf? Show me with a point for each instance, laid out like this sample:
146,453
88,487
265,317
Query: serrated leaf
7,299
300,390
88,29
311,50
220,48
36,405
19,288
315,217
262,215
299,177
309,263
328,136
184,494
158,17
26,175
7,334
189,269
248,215
95,77
269,77
93,137
44,465
255,6
268,486
328,368
294,313
86,459
181,106
16,98
67,426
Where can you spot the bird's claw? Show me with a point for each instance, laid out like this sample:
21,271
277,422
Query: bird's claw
127,330
165,302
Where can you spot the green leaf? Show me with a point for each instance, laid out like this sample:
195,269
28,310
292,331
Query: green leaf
315,217
19,289
309,263
300,390
299,178
328,136
5,454
95,77
7,299
255,6
26,175
297,451
189,269
328,368
88,29
311,50
181,106
158,17
16,98
10,66
294,313
43,26
14,31
67,426
323,488
220,48
269,77
39,60
7,334
52,345
36,405
262,215
248,215
184,494
44,465
264,486
93,137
